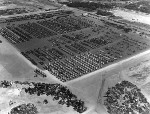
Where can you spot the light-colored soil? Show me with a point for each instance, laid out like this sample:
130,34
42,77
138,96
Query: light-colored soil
132,16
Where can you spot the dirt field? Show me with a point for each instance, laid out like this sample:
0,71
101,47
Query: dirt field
132,16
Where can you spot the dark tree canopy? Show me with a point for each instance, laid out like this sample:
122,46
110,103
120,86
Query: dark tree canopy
24,109
126,98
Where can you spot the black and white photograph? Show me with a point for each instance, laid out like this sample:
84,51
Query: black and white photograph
74,56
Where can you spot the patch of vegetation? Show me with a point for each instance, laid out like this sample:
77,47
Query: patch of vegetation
104,13
126,98
5,84
142,6
24,109
60,93
91,6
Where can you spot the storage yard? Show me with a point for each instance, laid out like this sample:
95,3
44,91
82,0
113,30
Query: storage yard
71,56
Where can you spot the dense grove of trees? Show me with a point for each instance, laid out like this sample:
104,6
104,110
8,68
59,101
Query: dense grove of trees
126,98
12,11
91,6
104,13
142,6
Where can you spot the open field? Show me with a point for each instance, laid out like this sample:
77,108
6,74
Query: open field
132,16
